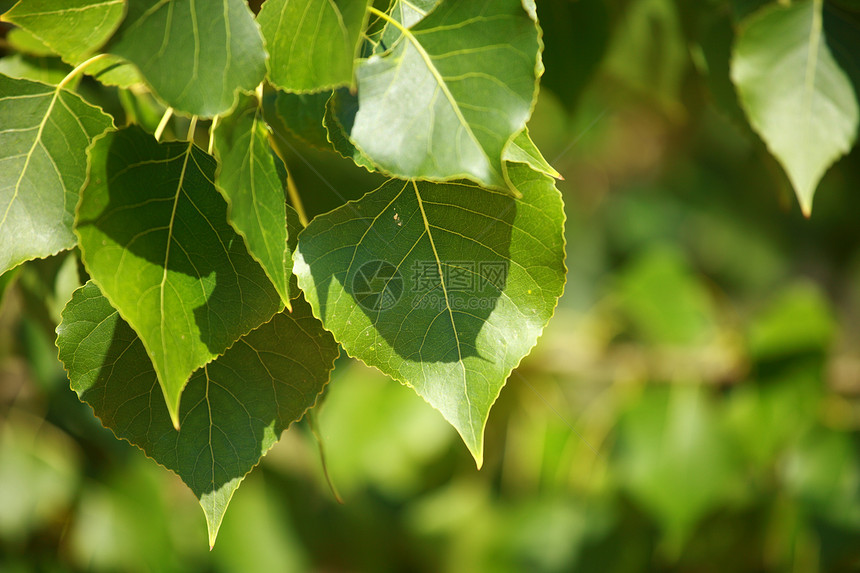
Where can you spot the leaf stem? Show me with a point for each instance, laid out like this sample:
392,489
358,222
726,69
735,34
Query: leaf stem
168,113
78,69
212,128
191,129
312,423
387,18
292,191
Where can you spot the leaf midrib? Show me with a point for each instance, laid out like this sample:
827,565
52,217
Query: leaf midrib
173,415
447,306
811,65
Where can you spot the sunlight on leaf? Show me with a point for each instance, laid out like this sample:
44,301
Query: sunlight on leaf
444,287
72,28
249,180
795,94
312,43
154,237
446,98
43,132
195,55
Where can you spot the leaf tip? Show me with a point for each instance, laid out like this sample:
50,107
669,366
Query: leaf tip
805,200
477,451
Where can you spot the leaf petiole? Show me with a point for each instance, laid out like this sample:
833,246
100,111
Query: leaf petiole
78,69
212,128
159,131
191,129
292,191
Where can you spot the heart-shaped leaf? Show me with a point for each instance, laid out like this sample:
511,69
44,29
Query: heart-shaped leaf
154,236
312,44
43,134
444,287
72,28
794,93
234,410
447,97
195,55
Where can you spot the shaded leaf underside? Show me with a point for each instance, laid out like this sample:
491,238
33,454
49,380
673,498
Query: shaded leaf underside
234,409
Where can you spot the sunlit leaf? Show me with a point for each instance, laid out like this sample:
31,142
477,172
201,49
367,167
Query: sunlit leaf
444,287
444,101
407,13
154,236
523,150
72,28
795,94
234,410
312,43
249,180
23,41
195,55
43,134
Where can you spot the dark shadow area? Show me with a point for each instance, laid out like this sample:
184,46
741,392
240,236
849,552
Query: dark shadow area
133,406
392,273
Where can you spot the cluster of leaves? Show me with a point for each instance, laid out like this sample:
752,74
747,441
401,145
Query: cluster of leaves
211,319
214,310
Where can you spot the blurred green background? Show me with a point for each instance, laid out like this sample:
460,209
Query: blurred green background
693,406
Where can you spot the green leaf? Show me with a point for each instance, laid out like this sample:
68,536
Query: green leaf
154,237
234,410
302,115
339,117
72,28
248,179
798,320
340,111
195,55
114,71
38,69
444,287
523,150
312,44
444,101
23,41
675,459
407,13
43,133
794,93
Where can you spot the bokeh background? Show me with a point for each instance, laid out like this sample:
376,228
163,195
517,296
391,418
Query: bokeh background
693,406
